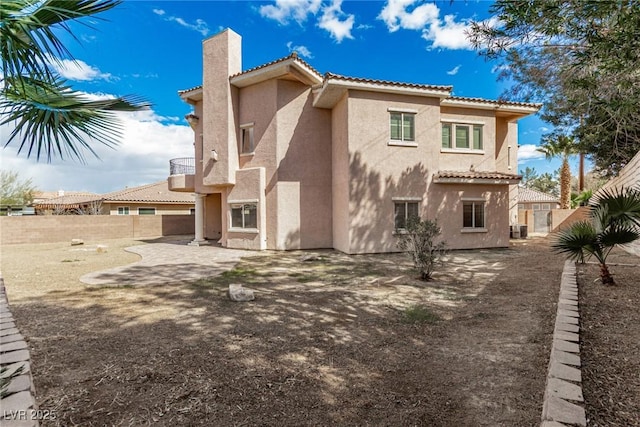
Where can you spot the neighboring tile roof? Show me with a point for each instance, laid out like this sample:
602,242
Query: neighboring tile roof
526,195
386,82
495,101
293,55
476,175
157,193
71,200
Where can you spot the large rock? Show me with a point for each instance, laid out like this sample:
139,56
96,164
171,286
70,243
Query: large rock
238,293
76,242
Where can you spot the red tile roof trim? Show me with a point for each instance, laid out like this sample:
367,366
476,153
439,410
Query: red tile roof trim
476,175
293,55
495,102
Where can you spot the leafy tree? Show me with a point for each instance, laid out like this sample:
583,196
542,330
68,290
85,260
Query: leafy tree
561,146
528,176
14,191
418,240
614,220
581,59
50,118
545,183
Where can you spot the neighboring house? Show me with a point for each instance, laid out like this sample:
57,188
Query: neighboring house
286,158
150,199
530,199
64,203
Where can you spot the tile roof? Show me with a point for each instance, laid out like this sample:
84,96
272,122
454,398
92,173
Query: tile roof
180,92
476,175
526,195
71,200
293,55
495,101
157,193
329,75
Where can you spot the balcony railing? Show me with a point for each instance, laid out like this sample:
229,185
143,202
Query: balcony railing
182,166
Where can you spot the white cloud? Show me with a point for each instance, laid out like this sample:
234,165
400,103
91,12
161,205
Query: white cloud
417,15
396,15
332,22
332,19
529,152
148,143
454,70
447,35
302,50
200,25
285,10
78,70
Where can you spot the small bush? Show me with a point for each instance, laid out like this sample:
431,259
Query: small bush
418,240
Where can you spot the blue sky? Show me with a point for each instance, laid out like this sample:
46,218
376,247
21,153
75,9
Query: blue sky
153,49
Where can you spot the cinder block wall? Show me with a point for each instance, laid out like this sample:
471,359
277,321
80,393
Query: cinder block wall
50,229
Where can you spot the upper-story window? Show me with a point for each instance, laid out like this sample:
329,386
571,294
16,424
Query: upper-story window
460,136
402,127
247,145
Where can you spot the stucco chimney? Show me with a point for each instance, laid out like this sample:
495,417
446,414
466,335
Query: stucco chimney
222,58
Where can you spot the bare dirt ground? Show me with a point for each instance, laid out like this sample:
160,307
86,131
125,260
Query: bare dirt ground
340,340
611,342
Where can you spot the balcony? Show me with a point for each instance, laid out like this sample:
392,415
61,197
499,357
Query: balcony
182,174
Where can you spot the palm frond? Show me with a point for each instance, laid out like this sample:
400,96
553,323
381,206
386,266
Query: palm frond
618,235
53,120
28,41
577,242
622,206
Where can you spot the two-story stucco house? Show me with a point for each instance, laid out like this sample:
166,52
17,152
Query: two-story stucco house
287,158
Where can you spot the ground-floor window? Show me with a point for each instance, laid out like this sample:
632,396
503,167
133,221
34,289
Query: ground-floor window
123,210
473,214
146,211
244,215
404,210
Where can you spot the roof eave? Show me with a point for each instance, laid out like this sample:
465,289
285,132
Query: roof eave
289,67
333,89
481,181
512,108
191,95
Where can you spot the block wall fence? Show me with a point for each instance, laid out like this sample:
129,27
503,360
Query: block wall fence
61,228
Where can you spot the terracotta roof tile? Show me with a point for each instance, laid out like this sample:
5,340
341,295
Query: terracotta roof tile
495,101
526,195
387,82
71,200
293,55
157,192
476,175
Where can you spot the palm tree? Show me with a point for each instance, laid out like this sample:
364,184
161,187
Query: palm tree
50,118
614,220
564,147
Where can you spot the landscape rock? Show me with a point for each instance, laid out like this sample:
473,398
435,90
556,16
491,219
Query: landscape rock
309,257
238,293
101,249
76,242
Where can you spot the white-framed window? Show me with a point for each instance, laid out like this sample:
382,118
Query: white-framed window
545,207
403,211
402,126
146,211
535,206
123,210
521,206
247,144
461,136
473,214
244,215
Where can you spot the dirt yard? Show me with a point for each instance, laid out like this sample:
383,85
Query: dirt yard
611,343
338,340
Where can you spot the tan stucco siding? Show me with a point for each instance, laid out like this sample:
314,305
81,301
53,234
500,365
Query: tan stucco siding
304,165
221,59
445,204
340,176
249,188
213,216
460,161
380,172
